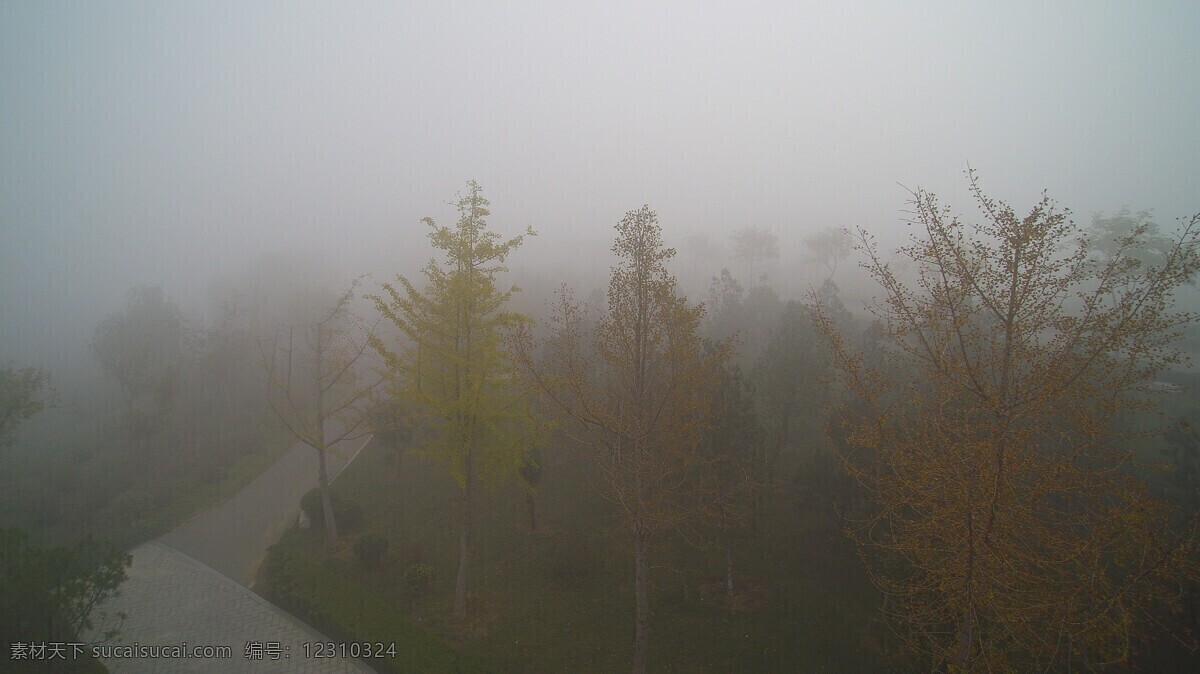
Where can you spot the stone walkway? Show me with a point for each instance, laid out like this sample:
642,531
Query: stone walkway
188,590
233,537
174,602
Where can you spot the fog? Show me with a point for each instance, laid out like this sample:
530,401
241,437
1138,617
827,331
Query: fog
172,145
189,188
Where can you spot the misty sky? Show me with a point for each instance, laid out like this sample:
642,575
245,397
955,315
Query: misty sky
170,143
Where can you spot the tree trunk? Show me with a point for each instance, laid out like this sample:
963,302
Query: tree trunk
331,534
962,653
641,639
532,511
460,587
729,569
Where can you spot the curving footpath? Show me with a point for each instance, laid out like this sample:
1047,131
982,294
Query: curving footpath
188,589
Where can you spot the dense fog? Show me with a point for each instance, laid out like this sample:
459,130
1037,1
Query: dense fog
195,185
180,145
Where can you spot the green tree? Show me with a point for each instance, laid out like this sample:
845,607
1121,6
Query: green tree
142,348
1010,533
735,447
51,594
640,385
23,393
755,246
453,368
788,380
395,425
1128,234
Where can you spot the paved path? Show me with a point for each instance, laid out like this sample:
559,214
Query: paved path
172,600
233,537
189,585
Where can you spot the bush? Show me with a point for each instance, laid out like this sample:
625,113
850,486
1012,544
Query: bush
418,578
347,512
370,548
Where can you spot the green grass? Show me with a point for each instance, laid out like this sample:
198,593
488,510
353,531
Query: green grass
318,589
143,519
561,599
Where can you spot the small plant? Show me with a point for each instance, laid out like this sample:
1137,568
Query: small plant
370,548
418,578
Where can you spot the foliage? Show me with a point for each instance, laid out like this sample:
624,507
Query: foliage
745,314
828,247
342,609
418,577
1135,238
346,511
558,600
645,402
50,594
735,443
23,393
142,348
370,548
735,452
394,424
788,379
1010,532
454,371
755,246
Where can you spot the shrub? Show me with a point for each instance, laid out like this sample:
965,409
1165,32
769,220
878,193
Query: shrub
370,548
347,512
418,578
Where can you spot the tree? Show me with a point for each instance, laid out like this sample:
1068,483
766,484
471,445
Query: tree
23,393
1010,531
531,475
143,349
640,386
49,595
394,425
1133,235
702,253
827,247
320,384
454,370
788,379
755,246
735,446
732,311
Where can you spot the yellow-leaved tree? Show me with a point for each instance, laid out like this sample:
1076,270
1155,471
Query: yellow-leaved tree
453,370
1012,531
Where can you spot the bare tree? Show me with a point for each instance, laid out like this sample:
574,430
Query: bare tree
314,378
